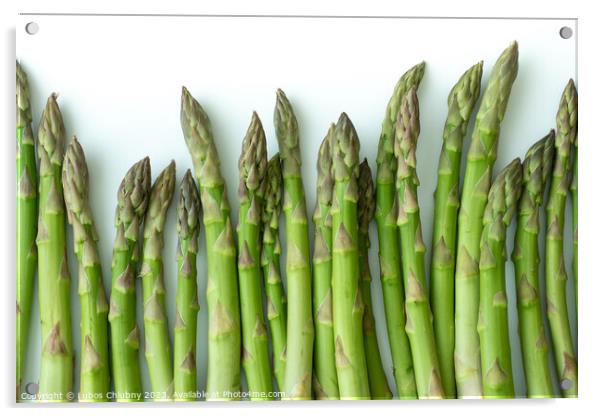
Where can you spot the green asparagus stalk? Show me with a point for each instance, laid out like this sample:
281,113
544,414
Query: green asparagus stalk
224,345
496,359
534,346
366,205
347,303
566,133
94,369
157,348
477,179
300,326
132,202
252,167
270,261
419,325
461,102
388,239
325,372
187,299
27,214
56,372
574,199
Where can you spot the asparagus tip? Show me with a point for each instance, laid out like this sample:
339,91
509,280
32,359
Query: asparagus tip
283,106
505,192
273,193
345,149
512,50
161,193
75,176
566,117
51,135
252,163
324,163
343,118
366,203
287,134
188,210
409,112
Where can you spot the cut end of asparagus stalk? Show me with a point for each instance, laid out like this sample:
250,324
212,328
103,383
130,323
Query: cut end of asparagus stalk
366,205
345,150
287,133
132,196
159,200
189,210
51,136
503,196
252,164
198,135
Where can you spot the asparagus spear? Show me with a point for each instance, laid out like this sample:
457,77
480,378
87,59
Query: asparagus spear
366,205
94,371
224,345
56,372
477,180
187,298
566,132
252,166
496,360
300,327
461,101
534,346
157,349
419,325
270,261
388,239
132,202
325,372
347,303
574,199
27,213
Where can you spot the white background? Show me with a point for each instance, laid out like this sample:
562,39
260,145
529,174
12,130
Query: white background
367,134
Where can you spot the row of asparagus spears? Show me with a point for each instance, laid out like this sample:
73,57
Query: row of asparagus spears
447,339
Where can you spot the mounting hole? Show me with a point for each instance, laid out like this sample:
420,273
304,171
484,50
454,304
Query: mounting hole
566,384
32,388
32,28
566,32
